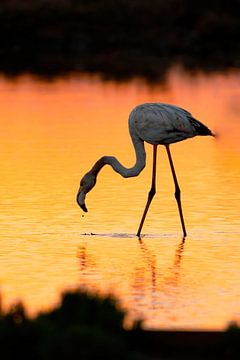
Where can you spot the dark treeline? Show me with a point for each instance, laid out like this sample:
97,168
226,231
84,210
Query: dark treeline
83,326
118,38
86,326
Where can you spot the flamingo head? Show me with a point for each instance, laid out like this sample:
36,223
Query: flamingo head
86,184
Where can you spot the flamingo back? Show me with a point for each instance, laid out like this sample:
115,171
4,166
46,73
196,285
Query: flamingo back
158,123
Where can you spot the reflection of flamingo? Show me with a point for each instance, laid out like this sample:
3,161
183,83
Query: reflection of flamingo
151,261
82,255
157,124
151,264
173,279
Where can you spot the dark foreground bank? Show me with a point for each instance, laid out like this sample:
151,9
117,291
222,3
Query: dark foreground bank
85,326
118,38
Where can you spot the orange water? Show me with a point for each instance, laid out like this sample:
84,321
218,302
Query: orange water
52,133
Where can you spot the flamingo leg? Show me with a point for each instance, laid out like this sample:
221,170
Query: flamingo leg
177,191
151,193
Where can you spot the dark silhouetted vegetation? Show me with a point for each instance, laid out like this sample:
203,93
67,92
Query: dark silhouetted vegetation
118,38
86,326
83,326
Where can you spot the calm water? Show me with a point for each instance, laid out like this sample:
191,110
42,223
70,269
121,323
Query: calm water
52,133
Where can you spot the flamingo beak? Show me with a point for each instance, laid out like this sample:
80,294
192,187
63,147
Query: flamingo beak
83,207
81,202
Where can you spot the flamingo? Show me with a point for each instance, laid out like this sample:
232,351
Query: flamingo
156,124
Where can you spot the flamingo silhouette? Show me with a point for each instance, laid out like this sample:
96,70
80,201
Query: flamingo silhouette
157,124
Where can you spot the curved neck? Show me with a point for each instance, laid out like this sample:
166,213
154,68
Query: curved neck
118,167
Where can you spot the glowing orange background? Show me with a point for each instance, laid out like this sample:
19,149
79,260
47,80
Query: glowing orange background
52,133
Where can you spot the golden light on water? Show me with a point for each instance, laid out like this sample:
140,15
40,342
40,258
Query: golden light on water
52,133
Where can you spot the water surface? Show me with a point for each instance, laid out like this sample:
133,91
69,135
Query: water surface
52,133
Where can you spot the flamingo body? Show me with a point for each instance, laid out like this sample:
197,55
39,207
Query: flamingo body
156,124
162,124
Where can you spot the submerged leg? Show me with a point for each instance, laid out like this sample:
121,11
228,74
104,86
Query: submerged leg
177,191
151,192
